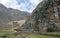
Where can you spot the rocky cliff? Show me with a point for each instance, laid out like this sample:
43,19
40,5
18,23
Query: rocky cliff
47,12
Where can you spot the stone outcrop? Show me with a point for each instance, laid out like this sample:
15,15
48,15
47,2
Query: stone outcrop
46,13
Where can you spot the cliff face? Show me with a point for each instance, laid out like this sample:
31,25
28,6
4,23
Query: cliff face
47,12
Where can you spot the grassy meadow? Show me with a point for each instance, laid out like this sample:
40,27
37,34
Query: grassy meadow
34,36
5,31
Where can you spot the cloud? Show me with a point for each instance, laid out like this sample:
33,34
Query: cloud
3,2
24,5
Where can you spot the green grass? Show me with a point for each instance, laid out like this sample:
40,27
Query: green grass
40,36
34,36
14,36
53,32
5,31
27,36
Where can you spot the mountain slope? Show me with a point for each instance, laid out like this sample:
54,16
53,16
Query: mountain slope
18,15
9,14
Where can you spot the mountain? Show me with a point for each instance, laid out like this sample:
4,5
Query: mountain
17,14
3,16
9,14
46,13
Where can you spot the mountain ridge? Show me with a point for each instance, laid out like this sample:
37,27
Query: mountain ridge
9,14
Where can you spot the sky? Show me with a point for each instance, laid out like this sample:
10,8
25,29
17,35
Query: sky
23,5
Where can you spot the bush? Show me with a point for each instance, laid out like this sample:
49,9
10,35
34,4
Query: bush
51,29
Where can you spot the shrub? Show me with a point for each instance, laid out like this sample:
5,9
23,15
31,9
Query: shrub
51,29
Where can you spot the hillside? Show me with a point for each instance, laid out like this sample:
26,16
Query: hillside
9,14
17,14
15,24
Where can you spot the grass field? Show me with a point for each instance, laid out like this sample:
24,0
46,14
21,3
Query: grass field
40,36
5,31
53,32
34,36
14,36
27,36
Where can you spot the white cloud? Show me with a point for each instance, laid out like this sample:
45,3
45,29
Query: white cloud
23,6
8,3
34,2
3,2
